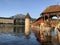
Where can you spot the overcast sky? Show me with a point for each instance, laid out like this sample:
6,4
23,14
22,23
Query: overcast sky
33,7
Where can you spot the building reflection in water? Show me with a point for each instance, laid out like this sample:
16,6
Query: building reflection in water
17,32
15,36
18,29
11,29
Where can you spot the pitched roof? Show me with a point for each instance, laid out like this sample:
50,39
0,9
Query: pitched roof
27,15
53,8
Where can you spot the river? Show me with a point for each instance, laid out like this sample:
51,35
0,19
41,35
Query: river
9,37
16,36
17,39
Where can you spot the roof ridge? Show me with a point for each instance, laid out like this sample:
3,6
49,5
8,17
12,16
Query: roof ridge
52,8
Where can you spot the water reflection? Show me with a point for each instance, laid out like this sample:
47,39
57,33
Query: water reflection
18,29
15,36
16,39
11,29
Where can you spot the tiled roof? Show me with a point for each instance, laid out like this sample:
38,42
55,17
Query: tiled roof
27,15
53,8
5,18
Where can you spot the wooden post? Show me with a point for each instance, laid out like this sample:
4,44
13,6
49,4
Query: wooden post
48,18
57,18
44,18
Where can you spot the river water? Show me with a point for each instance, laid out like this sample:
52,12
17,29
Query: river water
15,38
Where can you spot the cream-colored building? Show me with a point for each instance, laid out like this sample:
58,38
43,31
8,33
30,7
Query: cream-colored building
6,21
27,24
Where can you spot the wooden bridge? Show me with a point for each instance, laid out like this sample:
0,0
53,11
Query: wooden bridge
47,19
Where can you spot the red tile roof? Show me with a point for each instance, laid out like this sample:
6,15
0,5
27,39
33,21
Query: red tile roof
53,8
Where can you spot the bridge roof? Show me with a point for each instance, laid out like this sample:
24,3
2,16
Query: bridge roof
53,8
50,9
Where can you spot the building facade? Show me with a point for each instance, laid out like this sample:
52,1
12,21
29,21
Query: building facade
7,21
